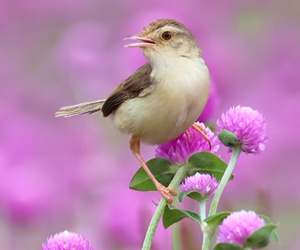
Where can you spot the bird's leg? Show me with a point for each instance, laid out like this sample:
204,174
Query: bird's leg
165,191
201,131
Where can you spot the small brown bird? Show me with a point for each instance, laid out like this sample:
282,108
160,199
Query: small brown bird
163,98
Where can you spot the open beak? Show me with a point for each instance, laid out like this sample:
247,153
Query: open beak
143,42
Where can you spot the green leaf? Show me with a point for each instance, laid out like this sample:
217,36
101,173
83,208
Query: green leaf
227,246
163,171
195,195
215,220
172,215
205,162
267,220
260,238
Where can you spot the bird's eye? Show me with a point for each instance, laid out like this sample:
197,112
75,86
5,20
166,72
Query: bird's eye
166,35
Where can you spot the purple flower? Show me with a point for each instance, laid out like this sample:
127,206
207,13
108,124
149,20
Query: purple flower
181,148
67,241
248,125
204,183
238,226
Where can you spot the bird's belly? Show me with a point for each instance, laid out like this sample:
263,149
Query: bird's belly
158,118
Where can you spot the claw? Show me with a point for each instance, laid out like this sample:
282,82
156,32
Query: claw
188,135
173,192
166,192
201,131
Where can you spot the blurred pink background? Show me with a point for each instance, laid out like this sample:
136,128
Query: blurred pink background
73,174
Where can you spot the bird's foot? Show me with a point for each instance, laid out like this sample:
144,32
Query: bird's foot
188,135
201,131
166,192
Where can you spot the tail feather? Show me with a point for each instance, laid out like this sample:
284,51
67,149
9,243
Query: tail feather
81,108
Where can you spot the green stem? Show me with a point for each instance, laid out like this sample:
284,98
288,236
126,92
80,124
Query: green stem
202,208
176,237
206,238
235,154
180,174
204,227
176,240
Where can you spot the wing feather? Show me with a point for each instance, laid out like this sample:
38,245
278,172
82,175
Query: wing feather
129,88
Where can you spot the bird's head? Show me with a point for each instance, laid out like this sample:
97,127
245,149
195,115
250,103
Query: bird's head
166,38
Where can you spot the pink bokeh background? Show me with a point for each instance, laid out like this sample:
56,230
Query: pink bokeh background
73,174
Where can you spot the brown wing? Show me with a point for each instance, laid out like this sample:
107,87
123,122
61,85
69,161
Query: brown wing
129,88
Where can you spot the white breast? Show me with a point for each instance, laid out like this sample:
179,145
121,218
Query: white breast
180,93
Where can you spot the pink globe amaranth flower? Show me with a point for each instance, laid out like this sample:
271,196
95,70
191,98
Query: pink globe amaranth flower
181,148
204,183
248,125
238,226
67,241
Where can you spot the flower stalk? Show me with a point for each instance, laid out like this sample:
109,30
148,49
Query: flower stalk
202,208
204,226
206,238
179,176
215,202
176,237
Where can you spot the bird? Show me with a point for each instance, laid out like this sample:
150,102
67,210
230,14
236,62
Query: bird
163,98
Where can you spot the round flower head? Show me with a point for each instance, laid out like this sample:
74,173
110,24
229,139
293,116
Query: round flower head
248,125
238,226
67,241
204,183
181,148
